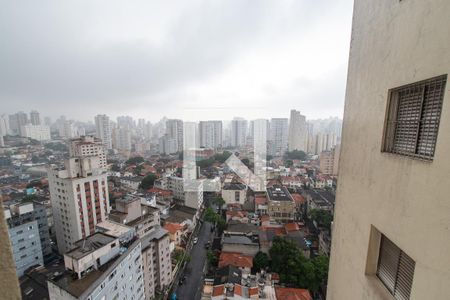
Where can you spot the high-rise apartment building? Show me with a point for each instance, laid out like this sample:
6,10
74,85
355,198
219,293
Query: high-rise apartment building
100,267
329,161
80,200
123,139
174,130
391,231
4,125
238,132
86,146
103,130
156,261
16,121
36,132
278,136
297,132
35,118
210,134
23,229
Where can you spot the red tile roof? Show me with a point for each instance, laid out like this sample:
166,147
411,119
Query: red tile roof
234,213
298,199
172,228
291,227
265,218
253,291
235,259
238,289
160,191
260,200
292,294
218,290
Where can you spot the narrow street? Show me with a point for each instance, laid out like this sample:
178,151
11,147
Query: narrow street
191,288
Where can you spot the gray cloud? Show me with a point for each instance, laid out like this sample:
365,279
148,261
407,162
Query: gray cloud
83,58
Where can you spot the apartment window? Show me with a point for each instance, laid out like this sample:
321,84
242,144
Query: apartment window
395,269
413,116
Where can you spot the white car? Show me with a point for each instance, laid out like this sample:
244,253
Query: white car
195,240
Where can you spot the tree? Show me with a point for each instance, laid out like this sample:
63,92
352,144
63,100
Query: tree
210,215
218,201
289,163
260,261
115,168
296,154
135,160
148,181
222,157
212,258
322,217
294,268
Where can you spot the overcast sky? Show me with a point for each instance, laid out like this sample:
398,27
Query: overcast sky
189,59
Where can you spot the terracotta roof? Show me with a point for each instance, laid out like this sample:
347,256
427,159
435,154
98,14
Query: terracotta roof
173,227
298,199
291,227
238,289
240,213
276,230
235,259
265,218
218,290
260,200
253,291
160,191
275,276
292,294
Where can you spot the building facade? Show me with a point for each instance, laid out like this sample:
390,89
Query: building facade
88,146
103,130
210,134
297,132
80,200
391,228
36,132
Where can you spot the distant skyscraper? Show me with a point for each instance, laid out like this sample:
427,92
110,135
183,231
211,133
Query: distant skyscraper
297,132
174,130
36,132
123,139
278,136
4,125
16,121
238,132
35,118
103,130
210,134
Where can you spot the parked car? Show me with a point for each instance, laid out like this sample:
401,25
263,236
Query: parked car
195,240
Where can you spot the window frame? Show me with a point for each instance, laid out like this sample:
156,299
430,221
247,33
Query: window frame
391,118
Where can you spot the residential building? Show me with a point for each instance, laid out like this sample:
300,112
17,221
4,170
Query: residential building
156,262
167,145
297,132
79,197
329,161
247,244
278,136
103,130
36,132
35,118
123,139
176,232
234,193
88,146
23,229
210,134
100,267
390,236
281,205
16,122
174,131
243,262
238,132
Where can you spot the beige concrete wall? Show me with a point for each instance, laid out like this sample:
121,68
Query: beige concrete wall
393,43
9,284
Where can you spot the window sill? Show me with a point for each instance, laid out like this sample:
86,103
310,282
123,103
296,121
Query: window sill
409,157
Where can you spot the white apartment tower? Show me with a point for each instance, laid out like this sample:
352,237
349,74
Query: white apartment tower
123,139
391,229
238,132
278,136
103,130
174,130
298,132
88,146
79,197
210,134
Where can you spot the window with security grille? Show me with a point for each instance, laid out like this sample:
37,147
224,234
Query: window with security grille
413,117
395,269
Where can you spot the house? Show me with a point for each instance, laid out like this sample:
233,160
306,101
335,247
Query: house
176,232
234,193
281,206
247,244
241,261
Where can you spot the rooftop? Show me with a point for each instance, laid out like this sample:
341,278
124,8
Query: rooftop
235,259
292,294
233,186
90,244
279,193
